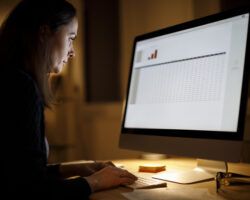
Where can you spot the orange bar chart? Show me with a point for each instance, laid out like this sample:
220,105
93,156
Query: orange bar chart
153,55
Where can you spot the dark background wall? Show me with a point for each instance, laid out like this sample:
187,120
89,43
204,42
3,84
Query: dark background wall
229,4
102,50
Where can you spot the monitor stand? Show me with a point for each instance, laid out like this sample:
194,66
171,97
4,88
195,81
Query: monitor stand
204,171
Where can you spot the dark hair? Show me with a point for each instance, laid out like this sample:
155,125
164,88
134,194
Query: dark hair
20,38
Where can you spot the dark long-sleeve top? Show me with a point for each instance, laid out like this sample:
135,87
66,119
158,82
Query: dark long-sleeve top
23,149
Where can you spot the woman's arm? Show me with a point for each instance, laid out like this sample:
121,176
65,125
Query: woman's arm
69,169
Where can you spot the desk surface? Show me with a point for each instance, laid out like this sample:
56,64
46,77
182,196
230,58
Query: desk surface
175,164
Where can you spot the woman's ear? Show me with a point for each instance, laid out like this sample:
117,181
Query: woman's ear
44,33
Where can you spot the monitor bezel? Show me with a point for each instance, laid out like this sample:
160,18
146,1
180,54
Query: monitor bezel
199,134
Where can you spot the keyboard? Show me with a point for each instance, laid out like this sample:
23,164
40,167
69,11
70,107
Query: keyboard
147,183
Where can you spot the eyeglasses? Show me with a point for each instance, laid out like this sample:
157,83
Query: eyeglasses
224,180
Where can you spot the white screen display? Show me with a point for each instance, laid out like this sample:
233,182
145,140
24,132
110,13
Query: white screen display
189,80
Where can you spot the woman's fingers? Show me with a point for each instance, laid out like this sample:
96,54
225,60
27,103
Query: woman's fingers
109,177
127,181
127,174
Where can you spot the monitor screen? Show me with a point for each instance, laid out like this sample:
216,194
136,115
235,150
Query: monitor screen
187,89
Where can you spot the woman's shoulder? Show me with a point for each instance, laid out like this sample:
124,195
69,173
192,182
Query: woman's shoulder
19,82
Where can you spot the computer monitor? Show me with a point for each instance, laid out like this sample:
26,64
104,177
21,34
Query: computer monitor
187,89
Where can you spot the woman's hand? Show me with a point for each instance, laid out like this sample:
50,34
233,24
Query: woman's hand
110,177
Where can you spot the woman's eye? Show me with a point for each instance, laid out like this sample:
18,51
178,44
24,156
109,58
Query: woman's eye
71,39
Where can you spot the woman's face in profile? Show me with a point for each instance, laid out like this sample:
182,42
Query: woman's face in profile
62,45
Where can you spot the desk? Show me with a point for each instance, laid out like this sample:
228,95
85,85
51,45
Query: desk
171,164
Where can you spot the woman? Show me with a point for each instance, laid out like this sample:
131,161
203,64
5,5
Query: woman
35,40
